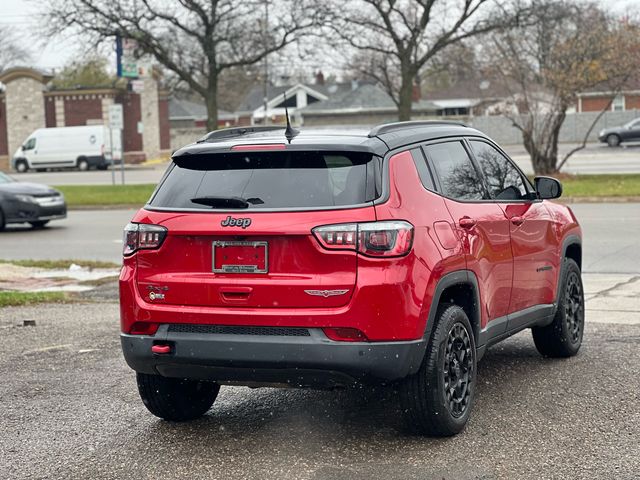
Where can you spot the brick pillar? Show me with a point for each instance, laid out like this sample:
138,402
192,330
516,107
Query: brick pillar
4,150
25,109
150,118
60,111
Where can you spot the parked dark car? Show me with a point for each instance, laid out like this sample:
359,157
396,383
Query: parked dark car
616,135
33,203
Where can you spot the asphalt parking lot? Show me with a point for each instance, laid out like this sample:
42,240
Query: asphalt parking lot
71,410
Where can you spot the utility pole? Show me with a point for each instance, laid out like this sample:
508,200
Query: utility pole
265,33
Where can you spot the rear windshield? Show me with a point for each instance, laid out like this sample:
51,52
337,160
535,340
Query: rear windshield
281,179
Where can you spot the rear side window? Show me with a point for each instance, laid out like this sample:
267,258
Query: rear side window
423,170
281,179
503,179
458,177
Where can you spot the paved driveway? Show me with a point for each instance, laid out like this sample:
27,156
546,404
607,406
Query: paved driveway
70,410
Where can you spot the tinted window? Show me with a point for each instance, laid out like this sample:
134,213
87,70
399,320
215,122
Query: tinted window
423,169
503,179
284,179
458,177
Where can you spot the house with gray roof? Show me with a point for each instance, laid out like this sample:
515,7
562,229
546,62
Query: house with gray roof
188,114
360,103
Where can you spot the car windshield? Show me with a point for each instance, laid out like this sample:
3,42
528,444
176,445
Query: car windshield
5,178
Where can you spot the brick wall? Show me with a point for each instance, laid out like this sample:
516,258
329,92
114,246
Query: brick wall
4,151
132,140
632,102
49,112
595,104
79,109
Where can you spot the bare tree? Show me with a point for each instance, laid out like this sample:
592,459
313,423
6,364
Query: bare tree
198,40
397,38
11,51
569,48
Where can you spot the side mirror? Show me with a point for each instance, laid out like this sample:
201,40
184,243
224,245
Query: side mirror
548,188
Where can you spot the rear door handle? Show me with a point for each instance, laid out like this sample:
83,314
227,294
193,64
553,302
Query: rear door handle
517,220
466,222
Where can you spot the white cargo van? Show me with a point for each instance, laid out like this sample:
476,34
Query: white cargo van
82,147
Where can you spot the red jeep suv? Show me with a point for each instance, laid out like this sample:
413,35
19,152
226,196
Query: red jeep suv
325,258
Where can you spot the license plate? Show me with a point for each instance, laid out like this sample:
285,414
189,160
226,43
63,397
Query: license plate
240,257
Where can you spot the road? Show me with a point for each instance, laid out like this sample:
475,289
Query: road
71,410
611,237
596,158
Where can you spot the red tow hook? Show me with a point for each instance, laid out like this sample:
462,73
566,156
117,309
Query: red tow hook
161,349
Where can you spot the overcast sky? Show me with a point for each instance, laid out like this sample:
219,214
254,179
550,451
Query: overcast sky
24,16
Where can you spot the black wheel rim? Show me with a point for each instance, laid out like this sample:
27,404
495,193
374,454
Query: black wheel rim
458,370
574,308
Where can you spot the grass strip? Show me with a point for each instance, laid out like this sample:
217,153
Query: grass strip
61,264
106,195
618,185
14,299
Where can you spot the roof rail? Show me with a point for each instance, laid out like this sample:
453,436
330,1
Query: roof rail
238,132
392,127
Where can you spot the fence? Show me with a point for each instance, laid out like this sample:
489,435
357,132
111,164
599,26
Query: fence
573,129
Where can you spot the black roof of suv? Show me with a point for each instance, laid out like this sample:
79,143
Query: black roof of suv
377,140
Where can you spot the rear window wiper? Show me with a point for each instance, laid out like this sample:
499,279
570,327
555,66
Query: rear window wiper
227,202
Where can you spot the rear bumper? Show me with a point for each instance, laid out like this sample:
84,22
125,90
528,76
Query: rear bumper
298,361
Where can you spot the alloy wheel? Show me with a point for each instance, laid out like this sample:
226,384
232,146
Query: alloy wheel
458,370
574,307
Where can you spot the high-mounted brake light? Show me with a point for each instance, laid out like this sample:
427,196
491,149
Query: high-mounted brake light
269,146
142,236
392,238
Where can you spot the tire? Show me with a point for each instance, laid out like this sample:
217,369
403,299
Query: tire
83,164
613,140
22,166
2,220
176,399
39,223
102,166
563,337
428,406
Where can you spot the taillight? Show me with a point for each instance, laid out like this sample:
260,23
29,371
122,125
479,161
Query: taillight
142,236
391,238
